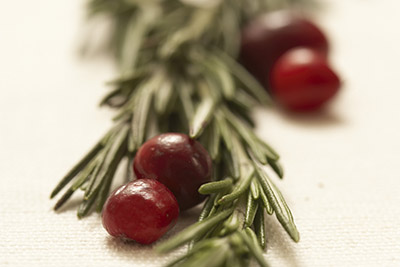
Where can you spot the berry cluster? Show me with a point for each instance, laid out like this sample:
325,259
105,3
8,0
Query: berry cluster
170,169
287,53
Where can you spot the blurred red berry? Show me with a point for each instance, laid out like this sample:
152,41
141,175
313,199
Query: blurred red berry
267,37
302,80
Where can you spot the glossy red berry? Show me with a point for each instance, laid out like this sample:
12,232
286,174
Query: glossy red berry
302,80
267,37
142,210
177,161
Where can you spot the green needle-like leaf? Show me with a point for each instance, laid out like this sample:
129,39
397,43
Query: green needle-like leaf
244,100
212,139
251,209
249,82
276,166
86,205
207,207
192,231
186,100
265,201
254,189
219,71
77,168
232,163
140,118
163,97
110,95
63,198
239,189
248,238
224,130
107,163
196,249
236,220
215,256
215,187
201,117
105,188
268,150
246,134
80,179
259,227
277,202
191,30
135,33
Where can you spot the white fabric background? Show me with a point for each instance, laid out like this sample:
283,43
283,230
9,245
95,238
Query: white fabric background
342,171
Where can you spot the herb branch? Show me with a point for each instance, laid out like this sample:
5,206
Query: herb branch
179,74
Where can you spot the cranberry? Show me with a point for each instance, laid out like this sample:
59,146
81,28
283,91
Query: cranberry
177,161
267,37
302,80
142,210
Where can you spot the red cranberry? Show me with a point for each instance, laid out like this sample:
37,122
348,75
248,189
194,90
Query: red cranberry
142,210
302,80
267,37
177,161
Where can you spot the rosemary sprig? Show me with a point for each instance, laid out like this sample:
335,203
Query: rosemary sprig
179,74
